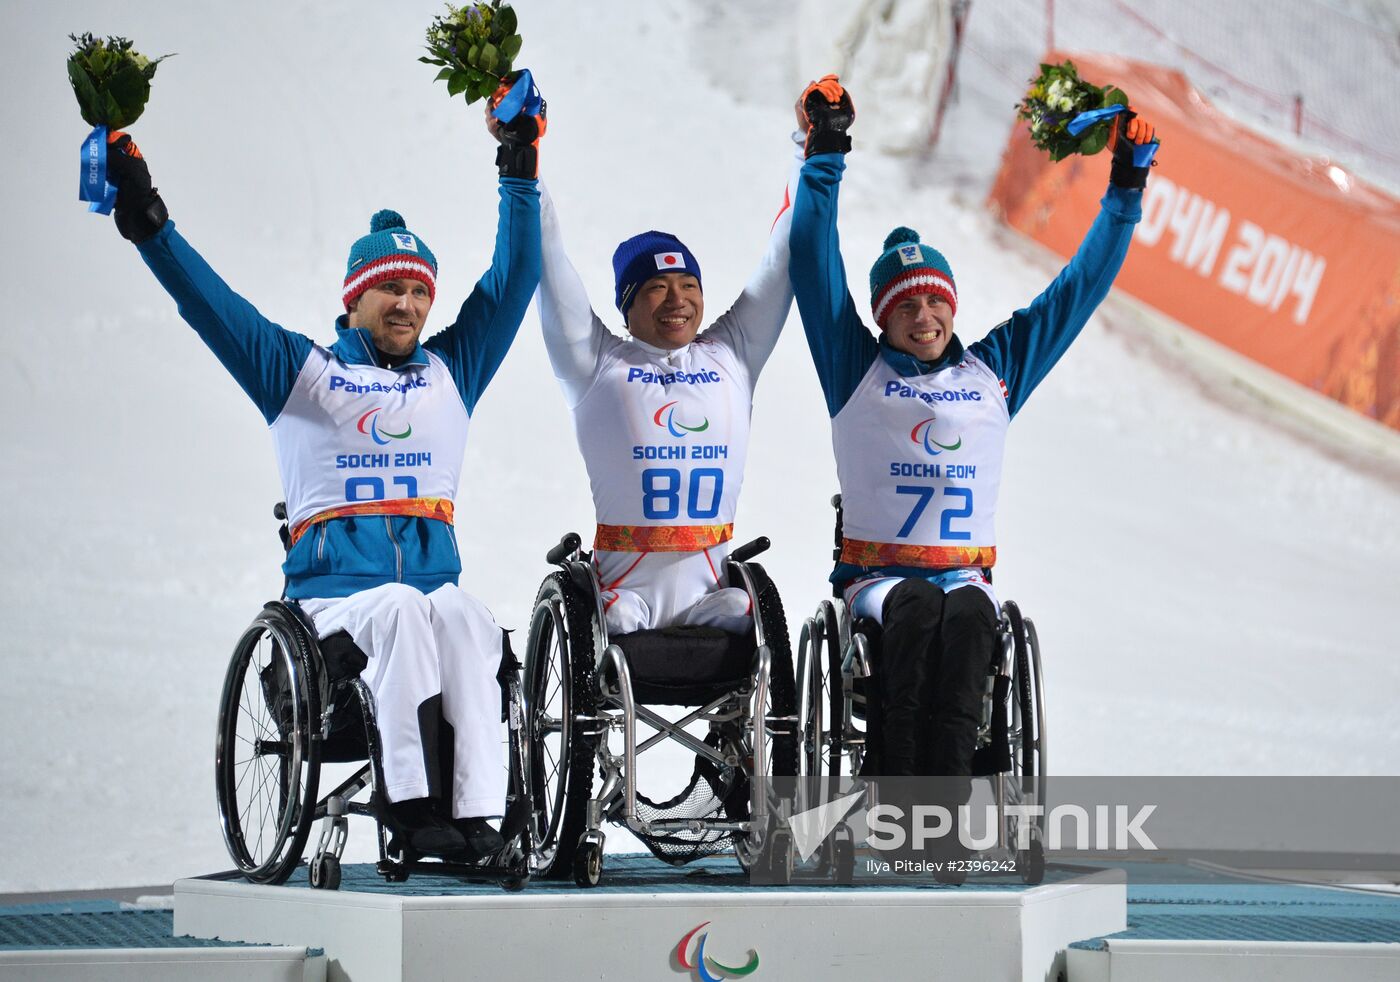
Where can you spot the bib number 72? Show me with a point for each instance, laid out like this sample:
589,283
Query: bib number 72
925,494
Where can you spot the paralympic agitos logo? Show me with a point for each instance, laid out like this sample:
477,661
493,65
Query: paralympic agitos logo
672,426
705,967
922,433
369,426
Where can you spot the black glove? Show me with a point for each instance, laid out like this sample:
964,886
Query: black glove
1130,132
140,212
825,111
519,154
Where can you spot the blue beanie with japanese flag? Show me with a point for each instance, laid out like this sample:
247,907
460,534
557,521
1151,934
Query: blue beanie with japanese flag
649,254
389,252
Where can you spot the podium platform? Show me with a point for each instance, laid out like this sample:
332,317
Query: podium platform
649,921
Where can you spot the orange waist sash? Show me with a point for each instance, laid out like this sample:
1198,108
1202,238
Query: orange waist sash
438,509
660,538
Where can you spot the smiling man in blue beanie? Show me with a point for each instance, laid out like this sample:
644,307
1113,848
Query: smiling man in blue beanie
369,433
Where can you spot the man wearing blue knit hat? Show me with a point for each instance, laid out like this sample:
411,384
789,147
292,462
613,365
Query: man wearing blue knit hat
369,434
662,417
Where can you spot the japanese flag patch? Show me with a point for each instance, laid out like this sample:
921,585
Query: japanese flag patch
910,255
670,260
405,241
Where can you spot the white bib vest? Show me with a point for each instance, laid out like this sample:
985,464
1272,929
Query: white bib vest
360,435
664,437
919,462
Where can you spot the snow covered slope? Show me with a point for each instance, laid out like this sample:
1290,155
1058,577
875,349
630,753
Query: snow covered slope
1213,594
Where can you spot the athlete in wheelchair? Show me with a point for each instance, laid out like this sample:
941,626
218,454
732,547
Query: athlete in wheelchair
915,640
658,611
585,685
374,651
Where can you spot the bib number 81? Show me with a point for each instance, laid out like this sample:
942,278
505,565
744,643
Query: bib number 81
661,492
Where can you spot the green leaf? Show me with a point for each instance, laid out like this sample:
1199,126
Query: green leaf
473,54
445,73
88,102
1115,97
510,47
489,59
488,86
504,21
457,82
472,96
1094,140
432,61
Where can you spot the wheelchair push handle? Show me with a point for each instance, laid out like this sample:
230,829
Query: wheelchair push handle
750,549
567,546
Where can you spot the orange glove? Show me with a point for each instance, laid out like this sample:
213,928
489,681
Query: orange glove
824,113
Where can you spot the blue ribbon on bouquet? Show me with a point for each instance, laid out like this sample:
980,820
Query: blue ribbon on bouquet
1142,152
524,96
92,179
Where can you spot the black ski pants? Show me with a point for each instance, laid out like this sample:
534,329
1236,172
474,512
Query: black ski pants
934,659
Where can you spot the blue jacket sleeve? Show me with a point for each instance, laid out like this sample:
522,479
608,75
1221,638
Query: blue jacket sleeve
842,348
263,358
477,342
1023,349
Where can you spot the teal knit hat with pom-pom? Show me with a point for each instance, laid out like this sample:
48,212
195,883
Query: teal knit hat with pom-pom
389,252
907,268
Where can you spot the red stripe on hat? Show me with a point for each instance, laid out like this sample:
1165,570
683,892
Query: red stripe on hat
912,283
392,267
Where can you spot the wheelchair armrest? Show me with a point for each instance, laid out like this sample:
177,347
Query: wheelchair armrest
567,546
749,549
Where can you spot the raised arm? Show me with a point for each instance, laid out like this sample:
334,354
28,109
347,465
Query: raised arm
842,349
477,341
1024,348
574,336
752,326
262,357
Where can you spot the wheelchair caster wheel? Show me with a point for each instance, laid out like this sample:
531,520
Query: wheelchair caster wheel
513,884
588,864
780,858
325,873
843,861
1032,863
393,872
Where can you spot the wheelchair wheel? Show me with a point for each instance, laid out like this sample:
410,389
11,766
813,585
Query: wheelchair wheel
781,747
824,704
266,760
1027,733
559,688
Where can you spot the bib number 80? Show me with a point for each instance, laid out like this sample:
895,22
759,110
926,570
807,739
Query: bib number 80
661,492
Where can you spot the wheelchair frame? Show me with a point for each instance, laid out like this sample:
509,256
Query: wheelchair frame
265,837
599,699
832,655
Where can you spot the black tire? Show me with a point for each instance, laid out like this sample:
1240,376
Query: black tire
832,695
588,865
1028,762
325,873
782,684
843,862
559,687
267,753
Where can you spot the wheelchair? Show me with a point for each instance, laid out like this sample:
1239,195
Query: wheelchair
292,703
582,686
838,656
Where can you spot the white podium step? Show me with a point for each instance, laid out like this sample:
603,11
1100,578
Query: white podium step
1143,960
271,964
631,932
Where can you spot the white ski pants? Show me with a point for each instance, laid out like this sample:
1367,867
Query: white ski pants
644,590
419,646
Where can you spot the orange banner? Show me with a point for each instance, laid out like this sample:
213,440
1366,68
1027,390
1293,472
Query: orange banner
1287,259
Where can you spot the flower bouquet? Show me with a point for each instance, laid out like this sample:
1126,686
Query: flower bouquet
474,47
112,81
1067,114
